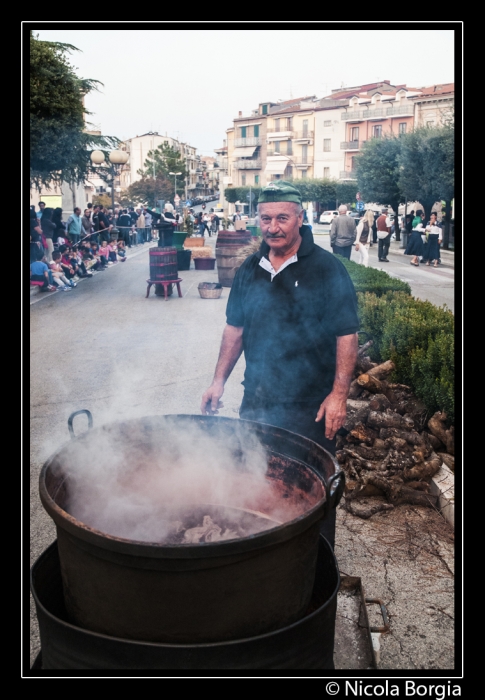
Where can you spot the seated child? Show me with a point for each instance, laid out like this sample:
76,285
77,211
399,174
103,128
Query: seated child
121,250
112,252
58,275
95,251
69,270
104,251
39,272
78,264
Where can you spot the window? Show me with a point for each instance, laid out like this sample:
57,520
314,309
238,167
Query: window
304,153
256,130
289,123
327,144
289,148
305,127
326,172
354,133
243,132
256,179
264,109
402,127
428,124
276,146
303,174
289,171
327,122
243,179
377,131
276,124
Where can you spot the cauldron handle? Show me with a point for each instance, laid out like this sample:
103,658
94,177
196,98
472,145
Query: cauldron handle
335,490
73,415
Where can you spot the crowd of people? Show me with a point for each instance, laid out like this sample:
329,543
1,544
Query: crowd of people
374,228
62,252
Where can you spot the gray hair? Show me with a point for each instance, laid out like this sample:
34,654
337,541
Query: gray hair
342,208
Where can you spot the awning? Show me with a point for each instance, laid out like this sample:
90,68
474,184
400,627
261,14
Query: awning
279,135
244,151
277,167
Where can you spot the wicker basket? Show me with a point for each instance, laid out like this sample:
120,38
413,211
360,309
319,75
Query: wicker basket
210,290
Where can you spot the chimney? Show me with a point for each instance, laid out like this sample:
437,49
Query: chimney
239,114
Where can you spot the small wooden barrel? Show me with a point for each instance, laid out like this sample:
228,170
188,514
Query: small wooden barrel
228,262
233,238
163,264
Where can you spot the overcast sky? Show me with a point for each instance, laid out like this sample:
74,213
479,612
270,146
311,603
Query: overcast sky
192,83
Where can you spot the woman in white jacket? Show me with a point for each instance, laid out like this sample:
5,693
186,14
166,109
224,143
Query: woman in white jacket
364,229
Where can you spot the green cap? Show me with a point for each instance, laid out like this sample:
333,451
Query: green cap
279,191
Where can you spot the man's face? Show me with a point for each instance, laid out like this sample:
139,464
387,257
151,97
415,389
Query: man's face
280,225
41,206
77,211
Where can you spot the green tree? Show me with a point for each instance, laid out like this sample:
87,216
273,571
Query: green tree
345,192
378,172
428,170
164,160
147,191
59,146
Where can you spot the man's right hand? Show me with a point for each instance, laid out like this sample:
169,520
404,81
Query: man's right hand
210,399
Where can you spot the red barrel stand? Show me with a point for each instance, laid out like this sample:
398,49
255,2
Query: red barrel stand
165,286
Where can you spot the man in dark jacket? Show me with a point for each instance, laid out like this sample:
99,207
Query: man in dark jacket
124,225
342,233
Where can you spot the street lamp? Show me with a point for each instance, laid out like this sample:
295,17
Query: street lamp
117,160
175,186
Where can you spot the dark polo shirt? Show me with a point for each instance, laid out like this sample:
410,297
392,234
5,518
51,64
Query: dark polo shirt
291,324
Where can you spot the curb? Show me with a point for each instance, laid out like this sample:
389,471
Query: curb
443,486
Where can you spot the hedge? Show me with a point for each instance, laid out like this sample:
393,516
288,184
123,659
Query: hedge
367,279
416,335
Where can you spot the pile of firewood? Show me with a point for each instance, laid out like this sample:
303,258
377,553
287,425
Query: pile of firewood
388,447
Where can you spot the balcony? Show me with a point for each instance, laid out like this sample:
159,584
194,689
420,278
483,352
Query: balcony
351,145
248,164
304,135
347,175
251,141
406,110
402,111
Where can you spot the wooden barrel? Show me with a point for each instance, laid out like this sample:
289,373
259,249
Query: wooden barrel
163,264
228,262
233,238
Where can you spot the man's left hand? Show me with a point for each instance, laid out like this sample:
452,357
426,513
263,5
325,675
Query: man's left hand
334,409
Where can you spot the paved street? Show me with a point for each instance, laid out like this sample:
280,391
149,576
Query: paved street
106,348
427,283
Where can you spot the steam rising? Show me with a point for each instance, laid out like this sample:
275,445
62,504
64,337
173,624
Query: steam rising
134,480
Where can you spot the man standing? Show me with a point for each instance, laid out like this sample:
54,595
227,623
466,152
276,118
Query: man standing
342,233
383,224
124,225
104,225
41,209
292,310
74,225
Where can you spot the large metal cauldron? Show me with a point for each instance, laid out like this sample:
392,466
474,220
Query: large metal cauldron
194,593
305,644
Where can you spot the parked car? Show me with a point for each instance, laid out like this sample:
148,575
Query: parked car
327,217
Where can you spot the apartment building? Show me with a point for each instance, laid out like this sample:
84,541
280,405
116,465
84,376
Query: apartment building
139,146
434,105
247,148
290,138
330,131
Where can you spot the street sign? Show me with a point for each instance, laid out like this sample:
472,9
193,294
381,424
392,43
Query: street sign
250,196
